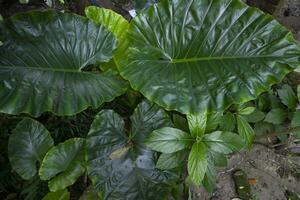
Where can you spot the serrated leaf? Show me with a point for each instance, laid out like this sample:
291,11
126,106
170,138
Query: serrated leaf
276,116
197,124
169,140
223,142
27,146
287,96
245,130
133,175
44,64
228,122
58,195
255,116
171,160
246,111
206,55
63,164
197,163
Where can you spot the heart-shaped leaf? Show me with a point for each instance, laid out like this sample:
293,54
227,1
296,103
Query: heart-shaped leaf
27,146
44,64
132,175
198,55
63,164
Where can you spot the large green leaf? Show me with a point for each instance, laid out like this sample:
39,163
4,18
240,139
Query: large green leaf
27,147
223,142
197,162
63,164
43,64
169,140
115,23
132,175
198,55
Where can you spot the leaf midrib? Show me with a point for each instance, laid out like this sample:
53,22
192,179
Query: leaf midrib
47,69
185,60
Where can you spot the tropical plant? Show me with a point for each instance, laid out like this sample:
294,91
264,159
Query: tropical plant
201,65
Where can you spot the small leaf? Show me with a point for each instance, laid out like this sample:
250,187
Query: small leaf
63,164
197,163
276,116
61,1
90,194
218,159
262,128
255,116
298,92
287,96
245,130
197,124
228,122
209,179
296,122
246,111
24,1
170,160
27,146
213,120
119,152
168,140
58,195
180,122
223,142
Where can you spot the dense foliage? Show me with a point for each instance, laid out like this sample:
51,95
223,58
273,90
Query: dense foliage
174,90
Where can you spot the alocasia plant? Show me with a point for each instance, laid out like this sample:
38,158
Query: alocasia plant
43,64
202,58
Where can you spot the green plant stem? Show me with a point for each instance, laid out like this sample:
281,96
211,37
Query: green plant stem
286,132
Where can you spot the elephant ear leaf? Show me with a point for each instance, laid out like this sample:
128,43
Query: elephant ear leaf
46,64
115,23
206,55
63,164
27,146
132,174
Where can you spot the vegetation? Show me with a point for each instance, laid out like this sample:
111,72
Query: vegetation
130,110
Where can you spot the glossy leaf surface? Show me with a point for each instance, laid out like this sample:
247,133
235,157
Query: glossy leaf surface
115,23
171,160
27,147
169,140
63,164
44,64
197,162
223,142
245,130
59,195
198,55
133,175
